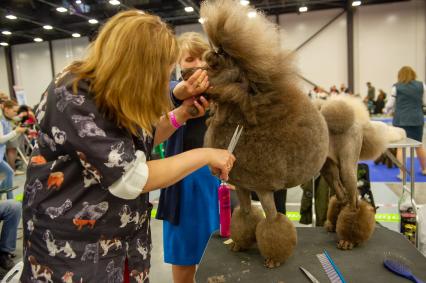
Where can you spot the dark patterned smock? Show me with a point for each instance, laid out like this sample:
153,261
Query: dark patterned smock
75,230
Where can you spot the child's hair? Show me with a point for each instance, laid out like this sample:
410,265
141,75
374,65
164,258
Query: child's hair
9,104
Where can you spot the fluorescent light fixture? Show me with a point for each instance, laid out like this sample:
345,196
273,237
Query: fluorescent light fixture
11,17
78,2
303,9
93,21
244,2
47,27
189,9
38,39
356,3
6,32
114,2
61,9
252,14
4,44
76,35
201,20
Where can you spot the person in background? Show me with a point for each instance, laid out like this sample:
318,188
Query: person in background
334,91
379,104
342,88
10,214
10,111
369,99
7,134
189,209
406,102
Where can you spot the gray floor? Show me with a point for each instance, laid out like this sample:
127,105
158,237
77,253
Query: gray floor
386,196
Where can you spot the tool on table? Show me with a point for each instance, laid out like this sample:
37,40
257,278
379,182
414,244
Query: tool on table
309,275
399,265
330,268
224,193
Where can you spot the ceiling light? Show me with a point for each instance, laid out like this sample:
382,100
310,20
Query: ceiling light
47,27
4,44
6,32
76,35
201,20
303,9
61,9
93,21
244,2
189,9
38,39
78,2
252,14
114,2
356,3
11,17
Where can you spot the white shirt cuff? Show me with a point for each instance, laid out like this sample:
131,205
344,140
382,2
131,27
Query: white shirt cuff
131,184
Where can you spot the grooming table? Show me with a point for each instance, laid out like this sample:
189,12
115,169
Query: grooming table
362,264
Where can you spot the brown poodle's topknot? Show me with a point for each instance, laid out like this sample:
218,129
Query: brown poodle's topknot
338,115
246,39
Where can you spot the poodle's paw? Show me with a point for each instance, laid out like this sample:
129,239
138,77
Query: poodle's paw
345,245
276,239
329,226
243,227
270,263
355,225
235,247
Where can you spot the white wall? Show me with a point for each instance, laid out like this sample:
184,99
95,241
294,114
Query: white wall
68,50
323,60
32,69
4,82
185,28
388,37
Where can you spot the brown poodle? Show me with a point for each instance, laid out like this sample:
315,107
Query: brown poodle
286,140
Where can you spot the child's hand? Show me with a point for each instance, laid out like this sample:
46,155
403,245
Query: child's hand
195,85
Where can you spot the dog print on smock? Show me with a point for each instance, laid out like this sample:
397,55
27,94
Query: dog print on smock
69,214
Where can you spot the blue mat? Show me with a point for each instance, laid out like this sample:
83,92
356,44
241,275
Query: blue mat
380,173
385,119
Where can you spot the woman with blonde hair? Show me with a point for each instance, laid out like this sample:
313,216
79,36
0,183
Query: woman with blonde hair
189,208
86,208
406,100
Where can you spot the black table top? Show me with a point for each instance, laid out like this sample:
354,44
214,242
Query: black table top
363,264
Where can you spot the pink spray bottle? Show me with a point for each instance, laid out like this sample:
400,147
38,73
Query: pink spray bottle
225,210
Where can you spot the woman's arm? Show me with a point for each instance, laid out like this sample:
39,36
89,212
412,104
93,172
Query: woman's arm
168,171
164,128
144,176
13,134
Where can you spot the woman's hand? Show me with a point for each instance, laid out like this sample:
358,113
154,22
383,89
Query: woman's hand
20,130
183,112
195,85
221,162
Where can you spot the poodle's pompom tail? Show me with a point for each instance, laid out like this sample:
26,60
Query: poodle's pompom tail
338,115
376,136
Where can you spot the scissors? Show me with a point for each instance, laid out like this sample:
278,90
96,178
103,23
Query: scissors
235,138
309,275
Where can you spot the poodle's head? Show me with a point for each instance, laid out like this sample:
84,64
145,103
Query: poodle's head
223,71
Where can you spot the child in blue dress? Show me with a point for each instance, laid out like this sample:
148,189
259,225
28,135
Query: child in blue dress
189,208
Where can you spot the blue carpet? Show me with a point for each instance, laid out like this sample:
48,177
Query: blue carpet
380,173
385,119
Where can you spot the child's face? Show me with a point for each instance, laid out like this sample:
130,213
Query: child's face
189,61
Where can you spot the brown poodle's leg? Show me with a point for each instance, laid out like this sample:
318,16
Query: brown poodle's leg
330,172
244,222
356,221
276,236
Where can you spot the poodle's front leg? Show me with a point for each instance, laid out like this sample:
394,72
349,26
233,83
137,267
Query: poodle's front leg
244,222
276,236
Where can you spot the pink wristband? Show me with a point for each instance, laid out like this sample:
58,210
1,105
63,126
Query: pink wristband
173,120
